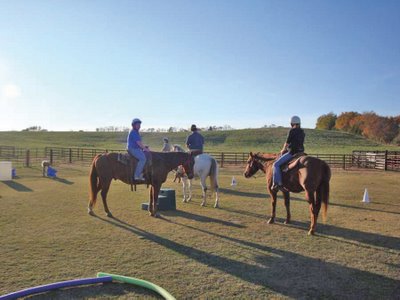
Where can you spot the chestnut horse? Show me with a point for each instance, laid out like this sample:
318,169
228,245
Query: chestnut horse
308,174
106,167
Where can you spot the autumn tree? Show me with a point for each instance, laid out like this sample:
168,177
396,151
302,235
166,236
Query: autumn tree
378,128
344,121
326,122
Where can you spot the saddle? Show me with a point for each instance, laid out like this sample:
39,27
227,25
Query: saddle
293,163
131,161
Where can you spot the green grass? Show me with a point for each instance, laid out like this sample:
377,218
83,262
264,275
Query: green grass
264,140
201,252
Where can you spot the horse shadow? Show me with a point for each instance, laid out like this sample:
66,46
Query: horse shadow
17,186
199,218
346,235
274,268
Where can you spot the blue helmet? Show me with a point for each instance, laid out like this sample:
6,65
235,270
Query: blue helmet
135,121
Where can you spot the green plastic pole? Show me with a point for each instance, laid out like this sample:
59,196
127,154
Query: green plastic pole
139,282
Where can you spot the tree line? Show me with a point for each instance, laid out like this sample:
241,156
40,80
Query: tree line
369,124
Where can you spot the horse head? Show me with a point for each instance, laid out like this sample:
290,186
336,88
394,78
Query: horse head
254,163
188,165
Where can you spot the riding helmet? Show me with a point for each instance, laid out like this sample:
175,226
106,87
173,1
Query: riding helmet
135,121
295,120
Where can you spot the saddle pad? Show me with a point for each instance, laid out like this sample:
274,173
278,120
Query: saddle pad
123,158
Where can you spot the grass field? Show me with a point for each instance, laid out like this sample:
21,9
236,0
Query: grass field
245,140
194,252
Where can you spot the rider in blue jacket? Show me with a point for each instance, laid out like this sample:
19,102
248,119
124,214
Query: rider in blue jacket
195,141
136,148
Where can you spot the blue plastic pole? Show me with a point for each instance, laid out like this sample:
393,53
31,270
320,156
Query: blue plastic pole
56,285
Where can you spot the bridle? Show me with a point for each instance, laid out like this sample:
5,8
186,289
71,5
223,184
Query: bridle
257,163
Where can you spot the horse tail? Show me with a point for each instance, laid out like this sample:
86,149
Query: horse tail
214,175
93,181
325,190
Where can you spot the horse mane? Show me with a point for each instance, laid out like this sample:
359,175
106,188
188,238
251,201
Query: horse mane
178,148
266,156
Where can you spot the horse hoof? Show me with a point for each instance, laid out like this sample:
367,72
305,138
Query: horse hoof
91,213
202,205
216,206
271,221
286,222
109,215
310,232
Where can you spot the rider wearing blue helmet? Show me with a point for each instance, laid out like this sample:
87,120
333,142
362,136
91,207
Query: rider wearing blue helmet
136,148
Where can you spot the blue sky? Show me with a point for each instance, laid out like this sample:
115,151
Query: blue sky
80,64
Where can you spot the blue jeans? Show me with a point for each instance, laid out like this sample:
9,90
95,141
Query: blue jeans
277,167
139,154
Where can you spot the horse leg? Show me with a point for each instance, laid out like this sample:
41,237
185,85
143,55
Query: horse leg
286,196
93,198
190,190
216,197
313,211
204,191
185,189
273,208
154,191
105,187
318,202
151,202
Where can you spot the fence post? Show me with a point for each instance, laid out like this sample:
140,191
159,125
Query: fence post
222,159
344,161
51,156
70,155
27,158
386,160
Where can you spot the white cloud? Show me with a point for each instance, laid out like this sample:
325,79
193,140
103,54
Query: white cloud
10,91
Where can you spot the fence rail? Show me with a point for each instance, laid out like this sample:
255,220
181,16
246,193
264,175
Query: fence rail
381,160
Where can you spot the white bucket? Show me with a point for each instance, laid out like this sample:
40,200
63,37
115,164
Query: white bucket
5,170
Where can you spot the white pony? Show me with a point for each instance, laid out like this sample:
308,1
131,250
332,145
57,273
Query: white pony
204,165
45,165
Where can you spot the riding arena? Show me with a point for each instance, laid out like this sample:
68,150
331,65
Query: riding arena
334,232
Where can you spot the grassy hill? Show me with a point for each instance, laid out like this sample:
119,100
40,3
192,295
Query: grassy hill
263,139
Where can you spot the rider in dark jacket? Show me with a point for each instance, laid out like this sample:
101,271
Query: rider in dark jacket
294,144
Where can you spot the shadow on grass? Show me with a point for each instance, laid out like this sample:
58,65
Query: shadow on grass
17,186
302,199
364,207
199,218
61,180
284,272
330,231
243,194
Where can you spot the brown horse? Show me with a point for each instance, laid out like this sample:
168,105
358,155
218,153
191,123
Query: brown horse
307,173
106,167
